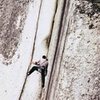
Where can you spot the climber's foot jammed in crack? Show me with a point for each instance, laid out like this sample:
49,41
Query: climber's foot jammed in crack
41,66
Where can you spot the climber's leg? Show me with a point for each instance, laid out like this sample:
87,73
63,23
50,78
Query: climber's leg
33,69
43,78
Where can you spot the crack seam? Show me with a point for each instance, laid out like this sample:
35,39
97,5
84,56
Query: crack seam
23,87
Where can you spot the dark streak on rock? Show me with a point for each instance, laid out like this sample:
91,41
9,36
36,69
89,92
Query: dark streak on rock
91,26
88,80
83,8
9,33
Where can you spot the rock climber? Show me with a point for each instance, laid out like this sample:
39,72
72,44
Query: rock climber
41,66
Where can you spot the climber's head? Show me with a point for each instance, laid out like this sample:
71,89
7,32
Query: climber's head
44,57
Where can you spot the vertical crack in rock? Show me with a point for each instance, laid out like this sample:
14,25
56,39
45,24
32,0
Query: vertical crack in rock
32,50
48,40
60,36
79,76
78,70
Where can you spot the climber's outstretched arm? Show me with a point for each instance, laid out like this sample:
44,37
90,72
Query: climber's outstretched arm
36,62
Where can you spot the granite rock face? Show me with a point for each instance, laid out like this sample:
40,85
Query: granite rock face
25,28
12,19
75,73
68,31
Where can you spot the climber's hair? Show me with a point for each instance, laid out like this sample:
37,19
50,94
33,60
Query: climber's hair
44,57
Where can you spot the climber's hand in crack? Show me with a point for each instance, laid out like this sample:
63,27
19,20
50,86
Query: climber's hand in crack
36,62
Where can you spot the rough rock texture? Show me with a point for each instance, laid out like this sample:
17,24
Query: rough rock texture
75,74
12,18
68,31
25,28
